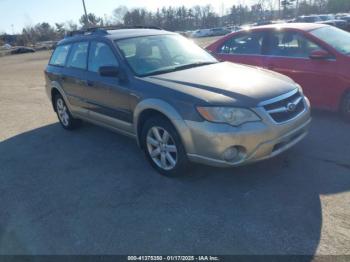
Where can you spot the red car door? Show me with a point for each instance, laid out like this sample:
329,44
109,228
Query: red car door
288,52
244,47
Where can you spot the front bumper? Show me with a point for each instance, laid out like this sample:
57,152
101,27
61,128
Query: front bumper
206,142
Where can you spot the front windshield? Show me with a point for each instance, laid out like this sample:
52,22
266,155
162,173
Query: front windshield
149,55
337,38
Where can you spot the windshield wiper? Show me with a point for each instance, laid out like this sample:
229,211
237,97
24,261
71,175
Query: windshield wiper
194,65
177,68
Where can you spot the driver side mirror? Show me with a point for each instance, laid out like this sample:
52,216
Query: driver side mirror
109,71
320,54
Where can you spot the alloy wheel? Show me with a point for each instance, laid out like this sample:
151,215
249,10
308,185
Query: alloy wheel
62,111
162,148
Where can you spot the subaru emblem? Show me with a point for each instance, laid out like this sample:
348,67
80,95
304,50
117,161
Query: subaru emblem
291,107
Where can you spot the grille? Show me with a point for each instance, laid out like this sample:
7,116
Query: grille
287,108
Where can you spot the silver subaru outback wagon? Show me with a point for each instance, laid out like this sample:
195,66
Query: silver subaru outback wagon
178,102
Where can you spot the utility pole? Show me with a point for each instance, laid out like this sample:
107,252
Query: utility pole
86,15
297,8
279,9
222,14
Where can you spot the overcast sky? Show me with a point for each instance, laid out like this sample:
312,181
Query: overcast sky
20,13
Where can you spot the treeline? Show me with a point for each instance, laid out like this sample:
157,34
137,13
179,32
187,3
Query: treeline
183,18
307,7
174,19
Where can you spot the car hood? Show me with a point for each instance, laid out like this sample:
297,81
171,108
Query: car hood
226,83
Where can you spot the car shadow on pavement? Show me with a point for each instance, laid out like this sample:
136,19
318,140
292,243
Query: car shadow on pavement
91,191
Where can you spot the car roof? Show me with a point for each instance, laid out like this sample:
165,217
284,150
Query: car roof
299,26
115,34
310,15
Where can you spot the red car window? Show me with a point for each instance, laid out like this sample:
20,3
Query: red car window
290,44
247,43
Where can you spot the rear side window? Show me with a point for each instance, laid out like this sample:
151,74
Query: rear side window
249,43
78,55
59,56
101,55
290,44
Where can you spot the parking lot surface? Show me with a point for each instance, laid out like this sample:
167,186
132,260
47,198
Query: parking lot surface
91,191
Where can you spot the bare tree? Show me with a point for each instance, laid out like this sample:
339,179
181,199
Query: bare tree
336,6
135,17
60,30
287,6
119,13
71,26
91,20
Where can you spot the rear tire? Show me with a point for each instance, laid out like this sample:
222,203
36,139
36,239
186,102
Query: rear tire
345,107
65,117
163,147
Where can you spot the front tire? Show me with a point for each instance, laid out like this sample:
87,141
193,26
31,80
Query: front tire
163,147
345,107
66,119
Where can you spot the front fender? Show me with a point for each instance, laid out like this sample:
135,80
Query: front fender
171,113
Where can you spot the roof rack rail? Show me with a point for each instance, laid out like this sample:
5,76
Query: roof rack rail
102,30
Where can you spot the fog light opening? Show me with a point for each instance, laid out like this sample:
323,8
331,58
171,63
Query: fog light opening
233,154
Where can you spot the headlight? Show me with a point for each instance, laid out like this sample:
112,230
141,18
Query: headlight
230,115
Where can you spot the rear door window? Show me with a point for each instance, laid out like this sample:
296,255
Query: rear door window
290,44
59,56
78,55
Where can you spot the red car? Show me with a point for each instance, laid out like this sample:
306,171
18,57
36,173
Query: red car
316,56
